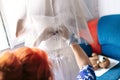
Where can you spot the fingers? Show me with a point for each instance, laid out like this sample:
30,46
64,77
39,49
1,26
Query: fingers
63,31
49,30
63,28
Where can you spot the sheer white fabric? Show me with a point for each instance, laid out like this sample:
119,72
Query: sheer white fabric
84,10
64,64
91,8
73,14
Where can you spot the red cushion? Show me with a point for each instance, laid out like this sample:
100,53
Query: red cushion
92,25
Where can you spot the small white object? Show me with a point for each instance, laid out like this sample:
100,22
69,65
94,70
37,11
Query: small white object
101,58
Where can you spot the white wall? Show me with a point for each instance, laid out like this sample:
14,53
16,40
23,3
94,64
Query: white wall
13,10
108,7
3,37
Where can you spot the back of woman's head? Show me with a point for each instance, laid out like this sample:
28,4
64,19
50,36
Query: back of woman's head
36,65
10,67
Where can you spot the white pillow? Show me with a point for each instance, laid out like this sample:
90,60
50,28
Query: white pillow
109,7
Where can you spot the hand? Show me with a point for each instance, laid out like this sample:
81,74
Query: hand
46,34
64,32
70,38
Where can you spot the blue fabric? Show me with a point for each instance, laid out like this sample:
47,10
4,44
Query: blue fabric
87,48
112,74
111,51
109,35
73,39
86,73
83,43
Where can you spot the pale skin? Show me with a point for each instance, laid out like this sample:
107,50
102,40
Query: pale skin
80,56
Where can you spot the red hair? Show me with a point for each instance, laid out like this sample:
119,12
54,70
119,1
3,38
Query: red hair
10,67
36,65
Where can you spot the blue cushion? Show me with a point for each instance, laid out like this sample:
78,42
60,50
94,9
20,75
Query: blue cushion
109,35
111,51
112,74
109,29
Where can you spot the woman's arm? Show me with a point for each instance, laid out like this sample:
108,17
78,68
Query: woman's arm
80,56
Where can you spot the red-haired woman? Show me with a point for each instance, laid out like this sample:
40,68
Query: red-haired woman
35,63
25,64
10,67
